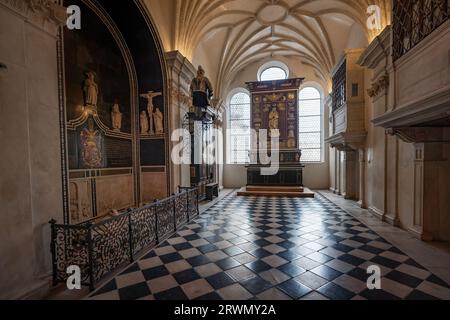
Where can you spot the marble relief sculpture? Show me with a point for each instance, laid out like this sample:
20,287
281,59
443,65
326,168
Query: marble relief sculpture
91,147
158,117
201,90
150,96
144,122
116,118
90,89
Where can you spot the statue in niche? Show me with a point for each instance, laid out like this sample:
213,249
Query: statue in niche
144,122
91,153
90,90
159,121
273,123
201,90
116,118
150,96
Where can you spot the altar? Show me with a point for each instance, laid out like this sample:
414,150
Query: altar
274,109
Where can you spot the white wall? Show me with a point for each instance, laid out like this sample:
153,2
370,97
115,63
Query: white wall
30,182
316,175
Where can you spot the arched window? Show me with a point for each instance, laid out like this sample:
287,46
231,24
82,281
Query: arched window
273,73
239,128
273,70
310,125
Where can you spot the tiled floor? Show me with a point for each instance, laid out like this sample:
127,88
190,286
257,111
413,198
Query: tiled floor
274,248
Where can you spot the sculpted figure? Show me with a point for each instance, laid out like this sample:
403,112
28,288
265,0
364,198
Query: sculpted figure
90,90
159,121
273,122
144,122
150,96
116,118
201,90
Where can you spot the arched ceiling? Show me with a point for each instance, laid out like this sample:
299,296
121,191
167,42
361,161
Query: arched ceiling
228,35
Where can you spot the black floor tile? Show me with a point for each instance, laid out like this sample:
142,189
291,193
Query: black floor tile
220,280
134,292
227,263
172,295
186,276
153,273
291,270
198,261
335,292
404,278
258,266
294,289
256,285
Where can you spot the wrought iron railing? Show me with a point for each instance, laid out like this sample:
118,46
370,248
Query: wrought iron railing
99,249
414,20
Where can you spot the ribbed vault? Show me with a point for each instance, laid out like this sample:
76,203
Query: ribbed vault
231,34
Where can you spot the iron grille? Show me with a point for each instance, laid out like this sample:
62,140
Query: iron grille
414,20
100,248
339,87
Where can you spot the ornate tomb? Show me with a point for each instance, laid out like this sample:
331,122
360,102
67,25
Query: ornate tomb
275,109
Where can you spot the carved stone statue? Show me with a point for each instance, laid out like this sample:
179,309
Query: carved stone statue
144,122
90,90
273,122
116,118
150,96
201,90
159,121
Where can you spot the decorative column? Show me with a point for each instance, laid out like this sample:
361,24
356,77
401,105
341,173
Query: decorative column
30,138
181,72
362,178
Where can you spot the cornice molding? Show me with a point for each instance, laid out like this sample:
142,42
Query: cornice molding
377,50
432,107
347,141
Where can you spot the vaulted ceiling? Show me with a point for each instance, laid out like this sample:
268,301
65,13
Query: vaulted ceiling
228,35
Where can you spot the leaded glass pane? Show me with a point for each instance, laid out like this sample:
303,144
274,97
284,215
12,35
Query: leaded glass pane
310,124
239,125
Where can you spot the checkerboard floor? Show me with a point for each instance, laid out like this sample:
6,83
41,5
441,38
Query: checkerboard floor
273,248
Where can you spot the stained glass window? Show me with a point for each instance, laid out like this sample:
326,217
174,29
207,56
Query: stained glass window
310,125
239,128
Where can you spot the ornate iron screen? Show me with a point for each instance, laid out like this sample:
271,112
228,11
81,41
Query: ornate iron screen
101,248
414,20
339,87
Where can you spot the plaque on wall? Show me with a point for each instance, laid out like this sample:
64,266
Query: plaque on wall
118,153
153,152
